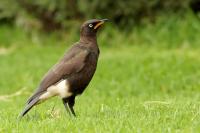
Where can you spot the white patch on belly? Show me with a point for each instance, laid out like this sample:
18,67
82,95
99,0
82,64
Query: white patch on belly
61,89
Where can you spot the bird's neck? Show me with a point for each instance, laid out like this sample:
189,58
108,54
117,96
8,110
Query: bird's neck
89,41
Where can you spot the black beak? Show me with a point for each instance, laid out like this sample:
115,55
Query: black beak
104,20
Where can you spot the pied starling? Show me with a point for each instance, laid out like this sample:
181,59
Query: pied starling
71,75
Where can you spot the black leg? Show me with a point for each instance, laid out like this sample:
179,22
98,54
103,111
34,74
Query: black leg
65,101
71,103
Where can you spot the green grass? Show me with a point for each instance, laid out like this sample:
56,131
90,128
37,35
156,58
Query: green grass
135,89
143,82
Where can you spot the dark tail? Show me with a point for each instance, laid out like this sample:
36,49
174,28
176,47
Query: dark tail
28,107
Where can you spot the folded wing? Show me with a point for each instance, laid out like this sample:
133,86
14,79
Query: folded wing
71,63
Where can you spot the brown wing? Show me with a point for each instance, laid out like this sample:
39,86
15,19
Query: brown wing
71,63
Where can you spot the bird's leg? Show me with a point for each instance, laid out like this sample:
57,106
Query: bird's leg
65,101
71,103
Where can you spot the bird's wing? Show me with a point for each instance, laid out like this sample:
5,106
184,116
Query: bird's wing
72,62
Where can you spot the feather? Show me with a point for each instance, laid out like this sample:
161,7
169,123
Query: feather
71,63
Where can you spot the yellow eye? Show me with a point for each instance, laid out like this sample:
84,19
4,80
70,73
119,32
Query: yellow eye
90,25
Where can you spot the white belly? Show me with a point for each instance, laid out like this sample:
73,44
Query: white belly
61,89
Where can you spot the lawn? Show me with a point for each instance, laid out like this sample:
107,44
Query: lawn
147,81
135,89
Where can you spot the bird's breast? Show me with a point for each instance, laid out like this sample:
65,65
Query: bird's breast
79,81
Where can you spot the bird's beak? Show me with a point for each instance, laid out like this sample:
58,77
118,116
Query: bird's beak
102,21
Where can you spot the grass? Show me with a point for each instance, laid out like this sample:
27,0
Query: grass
137,88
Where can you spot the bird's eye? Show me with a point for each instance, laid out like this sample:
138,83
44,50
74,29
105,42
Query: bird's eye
90,25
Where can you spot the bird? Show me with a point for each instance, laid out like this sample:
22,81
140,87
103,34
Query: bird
73,72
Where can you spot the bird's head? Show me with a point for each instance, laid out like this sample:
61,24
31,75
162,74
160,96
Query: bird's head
90,27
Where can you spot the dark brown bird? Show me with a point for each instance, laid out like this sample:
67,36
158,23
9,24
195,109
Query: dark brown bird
71,75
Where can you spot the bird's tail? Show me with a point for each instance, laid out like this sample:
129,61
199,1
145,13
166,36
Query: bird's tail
28,107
